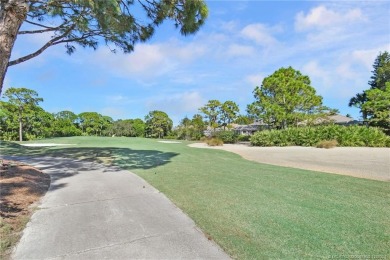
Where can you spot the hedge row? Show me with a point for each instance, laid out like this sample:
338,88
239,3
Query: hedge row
311,136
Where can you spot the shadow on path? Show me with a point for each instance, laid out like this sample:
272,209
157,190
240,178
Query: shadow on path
62,163
125,158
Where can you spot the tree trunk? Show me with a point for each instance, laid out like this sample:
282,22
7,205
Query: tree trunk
20,129
12,15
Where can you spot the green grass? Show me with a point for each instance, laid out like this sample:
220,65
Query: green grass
253,211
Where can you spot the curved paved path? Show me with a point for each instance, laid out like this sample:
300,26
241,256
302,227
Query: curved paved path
362,162
95,212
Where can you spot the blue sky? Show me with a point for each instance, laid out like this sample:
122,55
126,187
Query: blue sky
334,42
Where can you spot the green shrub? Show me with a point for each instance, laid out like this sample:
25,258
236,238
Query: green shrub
243,138
171,136
214,142
327,144
311,136
228,137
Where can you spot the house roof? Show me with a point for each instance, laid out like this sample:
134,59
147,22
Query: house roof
339,119
246,128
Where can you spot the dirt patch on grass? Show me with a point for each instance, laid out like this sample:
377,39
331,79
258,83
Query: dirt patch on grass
21,187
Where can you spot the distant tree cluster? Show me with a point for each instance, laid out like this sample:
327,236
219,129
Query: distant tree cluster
220,114
190,129
21,118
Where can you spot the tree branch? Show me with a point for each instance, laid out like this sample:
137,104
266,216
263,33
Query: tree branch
44,47
48,29
40,25
37,31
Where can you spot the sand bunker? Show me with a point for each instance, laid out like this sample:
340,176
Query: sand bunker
363,162
45,144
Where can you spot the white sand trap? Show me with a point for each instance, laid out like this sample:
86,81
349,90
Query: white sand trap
45,144
170,142
363,162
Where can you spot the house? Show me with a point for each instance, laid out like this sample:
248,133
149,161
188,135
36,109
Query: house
250,129
333,119
260,125
342,120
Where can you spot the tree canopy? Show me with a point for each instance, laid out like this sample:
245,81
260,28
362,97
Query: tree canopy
212,111
158,124
378,107
285,98
21,102
120,23
228,112
378,83
190,129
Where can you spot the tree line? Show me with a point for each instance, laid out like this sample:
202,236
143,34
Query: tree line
21,118
284,99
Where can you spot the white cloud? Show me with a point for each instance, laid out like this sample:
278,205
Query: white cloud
113,112
145,58
235,50
260,34
346,71
312,69
322,17
117,98
230,26
254,79
367,57
149,61
187,102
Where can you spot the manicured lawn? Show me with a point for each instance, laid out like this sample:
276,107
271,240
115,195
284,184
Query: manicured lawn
250,209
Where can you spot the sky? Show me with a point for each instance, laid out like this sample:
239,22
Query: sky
335,43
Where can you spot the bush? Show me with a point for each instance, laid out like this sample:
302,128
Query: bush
327,144
171,136
311,136
228,137
214,142
244,138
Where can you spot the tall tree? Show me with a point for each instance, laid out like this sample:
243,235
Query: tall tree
93,123
40,124
23,100
198,125
158,124
190,129
184,129
212,112
9,128
122,128
285,98
88,22
66,115
65,124
380,76
244,120
229,111
127,127
377,107
139,127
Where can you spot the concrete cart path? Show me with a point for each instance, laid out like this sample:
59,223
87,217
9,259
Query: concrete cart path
95,212
362,162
